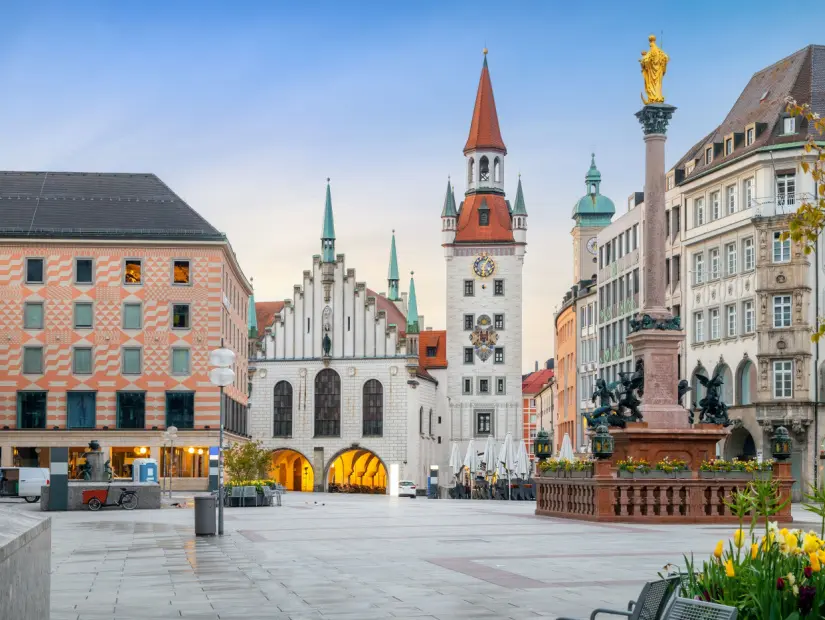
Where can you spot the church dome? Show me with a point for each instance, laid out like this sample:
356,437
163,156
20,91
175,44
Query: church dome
593,209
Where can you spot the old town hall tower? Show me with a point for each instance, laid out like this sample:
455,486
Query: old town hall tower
484,241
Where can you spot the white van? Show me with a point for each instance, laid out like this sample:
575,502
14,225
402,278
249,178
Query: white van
23,482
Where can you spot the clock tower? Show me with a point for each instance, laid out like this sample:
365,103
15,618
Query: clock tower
484,240
592,212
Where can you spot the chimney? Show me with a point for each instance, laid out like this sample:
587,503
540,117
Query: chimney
537,365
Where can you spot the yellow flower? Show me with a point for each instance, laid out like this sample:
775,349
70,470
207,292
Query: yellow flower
821,556
783,531
718,551
729,568
816,566
739,538
810,543
754,551
791,541
790,578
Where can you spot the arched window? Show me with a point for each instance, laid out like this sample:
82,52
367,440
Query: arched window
497,170
421,420
726,391
327,404
283,410
471,171
746,383
431,422
484,169
698,392
373,408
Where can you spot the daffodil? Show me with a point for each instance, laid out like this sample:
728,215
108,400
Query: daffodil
729,568
810,543
739,538
816,565
717,553
754,551
796,590
790,578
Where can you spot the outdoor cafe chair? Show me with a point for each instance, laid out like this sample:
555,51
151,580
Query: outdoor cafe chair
652,602
250,496
689,609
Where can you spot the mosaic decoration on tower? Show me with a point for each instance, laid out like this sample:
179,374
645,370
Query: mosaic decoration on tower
484,337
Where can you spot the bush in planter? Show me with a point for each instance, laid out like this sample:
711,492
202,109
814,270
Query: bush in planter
735,468
556,466
631,466
671,466
583,468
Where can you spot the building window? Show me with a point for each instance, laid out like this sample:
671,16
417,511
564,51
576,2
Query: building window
469,320
498,287
80,409
676,226
748,193
699,208
483,386
749,322
635,236
466,386
180,361
677,268
499,355
785,190
469,288
483,215
484,422
131,409
32,360
698,268
432,351
501,385
373,409
699,327
731,199
783,379
667,271
730,314
180,316
747,250
327,404
180,409
708,155
82,361
716,207
83,271
781,310
789,125
83,315
781,248
714,323
677,310
181,273
132,316
730,258
498,320
132,360
34,271
669,183
728,146
421,420
31,409
33,315
133,273
468,355
749,136
713,255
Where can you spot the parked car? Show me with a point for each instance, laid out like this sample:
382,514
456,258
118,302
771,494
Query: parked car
23,482
406,488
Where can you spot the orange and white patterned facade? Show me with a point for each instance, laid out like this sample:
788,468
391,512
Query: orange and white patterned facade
199,281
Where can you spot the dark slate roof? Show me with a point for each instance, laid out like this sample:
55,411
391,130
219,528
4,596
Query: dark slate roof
801,76
96,205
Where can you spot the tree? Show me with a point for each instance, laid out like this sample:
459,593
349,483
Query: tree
247,461
807,223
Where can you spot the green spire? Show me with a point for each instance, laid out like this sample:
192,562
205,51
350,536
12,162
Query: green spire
593,209
392,275
449,202
519,209
328,235
252,318
412,309
593,174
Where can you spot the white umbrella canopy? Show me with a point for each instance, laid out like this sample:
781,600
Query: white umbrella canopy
566,451
506,455
490,455
455,460
471,458
522,460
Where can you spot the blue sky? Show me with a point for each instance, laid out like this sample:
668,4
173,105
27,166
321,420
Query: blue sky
245,108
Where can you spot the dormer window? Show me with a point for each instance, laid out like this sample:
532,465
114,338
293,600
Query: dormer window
484,214
689,168
728,146
749,136
789,125
484,169
708,155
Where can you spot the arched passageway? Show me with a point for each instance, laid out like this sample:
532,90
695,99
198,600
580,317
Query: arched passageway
293,470
357,471
740,445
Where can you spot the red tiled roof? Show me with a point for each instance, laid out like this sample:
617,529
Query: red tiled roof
265,312
500,227
484,130
422,373
394,315
535,381
432,338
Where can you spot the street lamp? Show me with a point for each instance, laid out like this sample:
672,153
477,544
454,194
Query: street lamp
222,375
781,444
169,436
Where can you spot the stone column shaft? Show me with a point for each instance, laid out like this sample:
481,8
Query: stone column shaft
654,229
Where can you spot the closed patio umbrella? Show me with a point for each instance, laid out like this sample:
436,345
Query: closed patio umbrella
455,460
566,451
522,461
506,459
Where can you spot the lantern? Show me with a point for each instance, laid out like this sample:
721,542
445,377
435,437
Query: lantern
781,444
602,443
542,445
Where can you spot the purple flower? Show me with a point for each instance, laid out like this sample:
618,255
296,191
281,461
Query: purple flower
780,584
808,572
807,594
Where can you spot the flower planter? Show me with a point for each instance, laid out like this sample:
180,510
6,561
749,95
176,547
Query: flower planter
583,473
657,473
623,473
735,475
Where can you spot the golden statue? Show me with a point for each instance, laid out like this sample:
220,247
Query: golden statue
654,64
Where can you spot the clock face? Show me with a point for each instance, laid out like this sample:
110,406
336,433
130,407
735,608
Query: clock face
484,266
591,245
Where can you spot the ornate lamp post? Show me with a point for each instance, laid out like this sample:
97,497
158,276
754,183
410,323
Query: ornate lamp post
781,444
602,443
542,447
221,375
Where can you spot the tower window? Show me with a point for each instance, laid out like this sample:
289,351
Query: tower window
471,171
469,288
483,217
468,322
468,355
497,170
484,169
498,287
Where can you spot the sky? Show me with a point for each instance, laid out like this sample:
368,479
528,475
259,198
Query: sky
245,108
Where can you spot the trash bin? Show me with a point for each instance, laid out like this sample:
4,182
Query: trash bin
205,523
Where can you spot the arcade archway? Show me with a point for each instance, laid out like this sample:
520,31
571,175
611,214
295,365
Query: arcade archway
357,471
293,470
740,445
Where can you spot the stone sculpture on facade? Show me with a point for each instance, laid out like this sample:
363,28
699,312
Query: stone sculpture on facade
654,65
713,409
645,321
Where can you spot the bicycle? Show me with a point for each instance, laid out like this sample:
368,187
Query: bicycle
128,500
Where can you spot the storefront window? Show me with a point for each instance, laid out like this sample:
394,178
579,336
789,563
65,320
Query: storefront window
186,462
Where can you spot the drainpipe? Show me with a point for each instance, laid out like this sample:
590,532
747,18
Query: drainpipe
816,353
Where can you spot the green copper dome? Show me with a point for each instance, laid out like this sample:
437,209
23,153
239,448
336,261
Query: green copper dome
593,209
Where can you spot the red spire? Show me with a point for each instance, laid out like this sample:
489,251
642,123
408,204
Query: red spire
484,131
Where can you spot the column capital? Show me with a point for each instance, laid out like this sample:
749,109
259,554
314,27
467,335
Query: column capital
654,117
